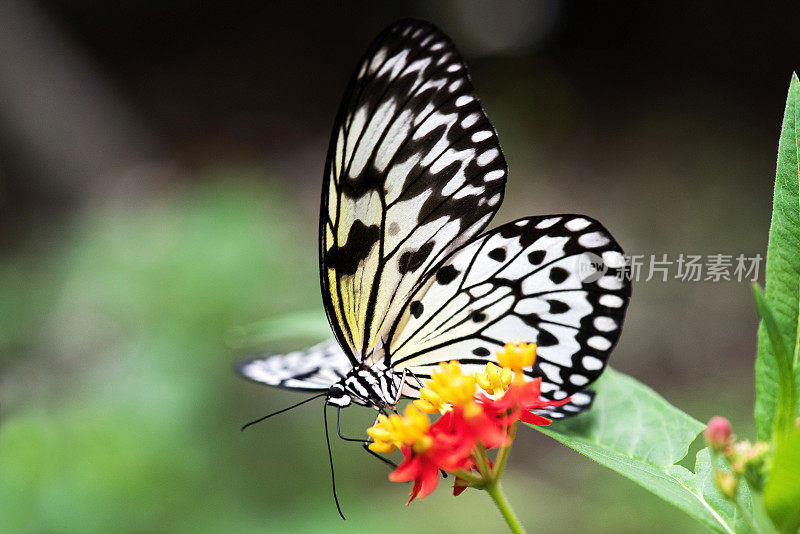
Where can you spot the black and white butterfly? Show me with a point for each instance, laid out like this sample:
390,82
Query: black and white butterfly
414,174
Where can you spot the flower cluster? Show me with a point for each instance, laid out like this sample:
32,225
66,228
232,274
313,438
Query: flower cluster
744,459
476,413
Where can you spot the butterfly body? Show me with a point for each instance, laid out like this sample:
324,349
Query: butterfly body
371,386
410,278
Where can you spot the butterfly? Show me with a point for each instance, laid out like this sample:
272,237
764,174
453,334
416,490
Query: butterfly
409,277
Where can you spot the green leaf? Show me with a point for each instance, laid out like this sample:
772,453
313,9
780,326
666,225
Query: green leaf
787,390
637,433
783,267
782,491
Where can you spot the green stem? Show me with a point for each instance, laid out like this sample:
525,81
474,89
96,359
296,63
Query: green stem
749,520
482,461
493,489
502,454
715,463
475,481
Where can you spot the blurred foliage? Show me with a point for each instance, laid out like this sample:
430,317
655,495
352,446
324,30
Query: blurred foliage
777,367
778,343
782,493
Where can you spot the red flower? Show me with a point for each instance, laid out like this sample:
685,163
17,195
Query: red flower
518,401
471,426
468,426
452,440
450,449
419,467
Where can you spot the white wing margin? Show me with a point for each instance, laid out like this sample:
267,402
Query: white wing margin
314,369
557,280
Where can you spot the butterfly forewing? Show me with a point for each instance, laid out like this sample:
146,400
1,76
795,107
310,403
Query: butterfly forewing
414,170
558,281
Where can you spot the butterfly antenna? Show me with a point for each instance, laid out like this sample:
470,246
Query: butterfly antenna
284,410
330,460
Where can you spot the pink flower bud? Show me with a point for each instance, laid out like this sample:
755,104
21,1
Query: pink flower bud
718,433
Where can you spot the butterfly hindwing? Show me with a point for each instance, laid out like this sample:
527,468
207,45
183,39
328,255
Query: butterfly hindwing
314,369
557,281
414,170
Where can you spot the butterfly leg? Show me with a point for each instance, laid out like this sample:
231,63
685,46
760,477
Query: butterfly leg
419,382
364,443
339,431
398,395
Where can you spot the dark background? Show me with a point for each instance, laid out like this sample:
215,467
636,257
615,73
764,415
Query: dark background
160,167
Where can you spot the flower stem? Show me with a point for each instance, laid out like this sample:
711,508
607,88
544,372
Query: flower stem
474,480
493,489
505,450
715,462
750,522
482,461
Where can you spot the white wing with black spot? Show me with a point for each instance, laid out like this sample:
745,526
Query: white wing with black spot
414,170
313,369
558,281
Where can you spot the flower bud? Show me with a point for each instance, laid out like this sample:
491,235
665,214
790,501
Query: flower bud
718,433
517,356
756,464
726,483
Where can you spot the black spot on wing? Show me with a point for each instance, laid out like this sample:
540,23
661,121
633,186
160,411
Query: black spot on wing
481,351
360,240
416,308
536,257
556,306
446,274
411,261
478,316
498,254
558,275
546,339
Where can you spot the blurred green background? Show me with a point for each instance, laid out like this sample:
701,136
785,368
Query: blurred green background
160,167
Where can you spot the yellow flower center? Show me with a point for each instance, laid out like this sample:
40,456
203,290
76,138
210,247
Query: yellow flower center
517,357
494,380
410,429
448,387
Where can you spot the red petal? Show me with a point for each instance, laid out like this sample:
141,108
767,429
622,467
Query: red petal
408,470
534,419
414,491
430,479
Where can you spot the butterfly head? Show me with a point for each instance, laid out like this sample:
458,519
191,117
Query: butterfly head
337,396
